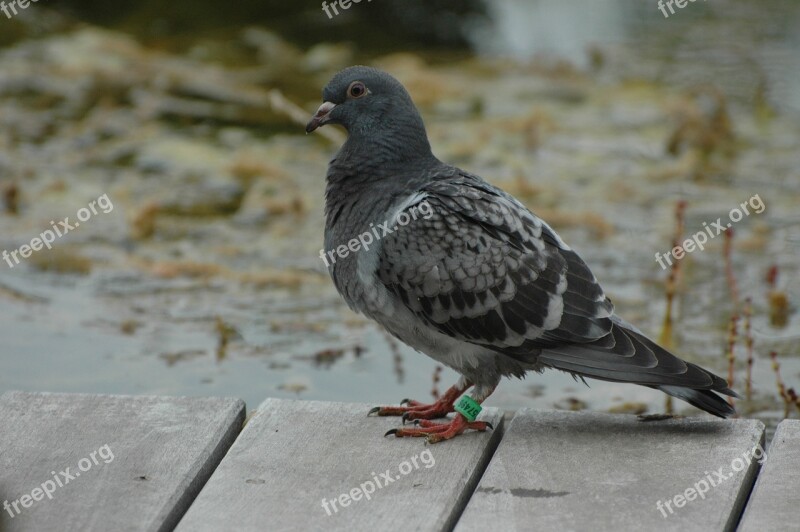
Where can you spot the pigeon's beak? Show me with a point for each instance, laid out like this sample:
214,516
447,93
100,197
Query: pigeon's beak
321,116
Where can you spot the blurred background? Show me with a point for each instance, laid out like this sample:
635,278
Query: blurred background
603,116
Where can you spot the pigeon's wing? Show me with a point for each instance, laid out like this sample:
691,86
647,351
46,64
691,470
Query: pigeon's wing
484,269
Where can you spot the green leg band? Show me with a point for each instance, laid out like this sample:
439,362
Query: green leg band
467,407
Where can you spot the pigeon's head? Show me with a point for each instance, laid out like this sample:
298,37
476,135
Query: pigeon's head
368,103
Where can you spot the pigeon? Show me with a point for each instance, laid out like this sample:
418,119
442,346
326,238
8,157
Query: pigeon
463,272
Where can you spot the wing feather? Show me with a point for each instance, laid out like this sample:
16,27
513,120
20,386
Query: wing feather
484,269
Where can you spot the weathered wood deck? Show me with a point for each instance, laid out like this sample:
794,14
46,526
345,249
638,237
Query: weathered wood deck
98,462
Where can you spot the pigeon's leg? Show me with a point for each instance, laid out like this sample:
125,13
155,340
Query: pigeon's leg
417,410
436,432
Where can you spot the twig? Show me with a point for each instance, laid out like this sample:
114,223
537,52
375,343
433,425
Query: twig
776,367
397,356
727,252
281,104
794,398
732,336
437,376
748,340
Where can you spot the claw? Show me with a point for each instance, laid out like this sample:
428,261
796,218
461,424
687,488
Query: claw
411,409
489,425
391,431
436,432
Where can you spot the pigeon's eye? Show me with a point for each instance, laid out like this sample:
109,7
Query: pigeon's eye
356,90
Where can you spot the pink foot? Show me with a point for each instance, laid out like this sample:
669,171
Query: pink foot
436,432
417,410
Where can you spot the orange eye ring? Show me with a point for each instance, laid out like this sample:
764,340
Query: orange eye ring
357,90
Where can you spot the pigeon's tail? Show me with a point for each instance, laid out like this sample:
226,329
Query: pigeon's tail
626,355
702,399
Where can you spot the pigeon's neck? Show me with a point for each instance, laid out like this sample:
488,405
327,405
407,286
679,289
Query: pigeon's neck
371,174
376,173
375,169
371,156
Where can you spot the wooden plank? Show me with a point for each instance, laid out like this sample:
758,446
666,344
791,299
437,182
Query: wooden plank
128,463
293,454
591,471
774,502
